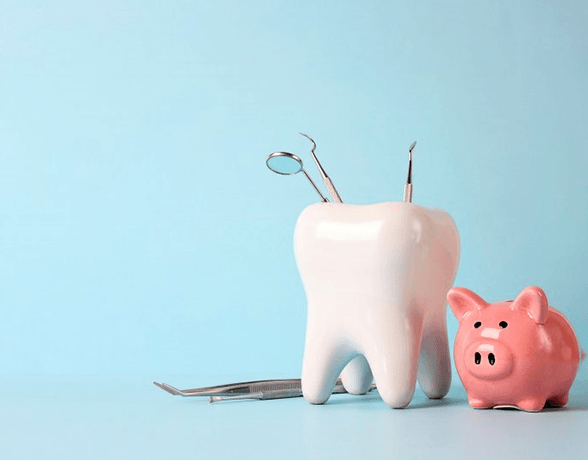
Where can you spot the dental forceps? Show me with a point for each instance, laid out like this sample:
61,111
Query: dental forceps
258,389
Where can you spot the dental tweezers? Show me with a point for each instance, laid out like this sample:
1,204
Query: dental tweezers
258,389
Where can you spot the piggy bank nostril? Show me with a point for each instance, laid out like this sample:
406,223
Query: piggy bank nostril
477,358
491,359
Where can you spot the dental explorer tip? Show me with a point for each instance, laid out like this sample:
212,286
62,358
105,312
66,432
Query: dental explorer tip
309,138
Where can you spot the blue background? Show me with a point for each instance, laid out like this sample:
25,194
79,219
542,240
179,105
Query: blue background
141,232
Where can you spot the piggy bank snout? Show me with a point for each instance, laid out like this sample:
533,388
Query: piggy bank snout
488,360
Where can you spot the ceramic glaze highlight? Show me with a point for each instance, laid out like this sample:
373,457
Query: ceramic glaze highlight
519,353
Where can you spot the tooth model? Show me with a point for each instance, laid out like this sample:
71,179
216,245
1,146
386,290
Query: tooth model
376,279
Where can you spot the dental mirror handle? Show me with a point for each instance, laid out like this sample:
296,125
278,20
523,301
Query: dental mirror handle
315,187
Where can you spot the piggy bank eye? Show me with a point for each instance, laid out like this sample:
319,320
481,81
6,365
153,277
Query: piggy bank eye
503,324
477,324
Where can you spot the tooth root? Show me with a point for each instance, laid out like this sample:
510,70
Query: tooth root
393,359
434,372
357,376
324,359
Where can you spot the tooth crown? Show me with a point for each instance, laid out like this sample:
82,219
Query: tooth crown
376,277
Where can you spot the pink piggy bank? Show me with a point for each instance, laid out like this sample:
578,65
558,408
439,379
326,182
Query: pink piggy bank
520,353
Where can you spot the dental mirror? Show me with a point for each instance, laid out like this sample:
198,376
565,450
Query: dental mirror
284,163
288,164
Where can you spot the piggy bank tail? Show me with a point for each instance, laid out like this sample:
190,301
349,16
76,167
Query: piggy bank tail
582,355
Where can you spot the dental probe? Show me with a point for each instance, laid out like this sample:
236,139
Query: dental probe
408,185
326,179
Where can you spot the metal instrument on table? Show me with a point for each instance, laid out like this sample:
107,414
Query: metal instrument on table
258,389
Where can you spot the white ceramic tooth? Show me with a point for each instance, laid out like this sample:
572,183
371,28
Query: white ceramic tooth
376,278
357,376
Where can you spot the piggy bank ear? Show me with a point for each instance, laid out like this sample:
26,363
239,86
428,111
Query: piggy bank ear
462,301
534,301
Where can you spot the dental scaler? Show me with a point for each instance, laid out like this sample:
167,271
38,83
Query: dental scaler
408,185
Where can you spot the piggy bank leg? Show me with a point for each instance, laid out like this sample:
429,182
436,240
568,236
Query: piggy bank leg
393,358
476,403
559,400
531,404
434,374
357,376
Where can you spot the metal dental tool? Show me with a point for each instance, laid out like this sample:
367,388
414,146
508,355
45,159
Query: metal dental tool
326,179
259,389
287,164
408,185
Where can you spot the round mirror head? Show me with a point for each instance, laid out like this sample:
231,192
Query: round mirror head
284,163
